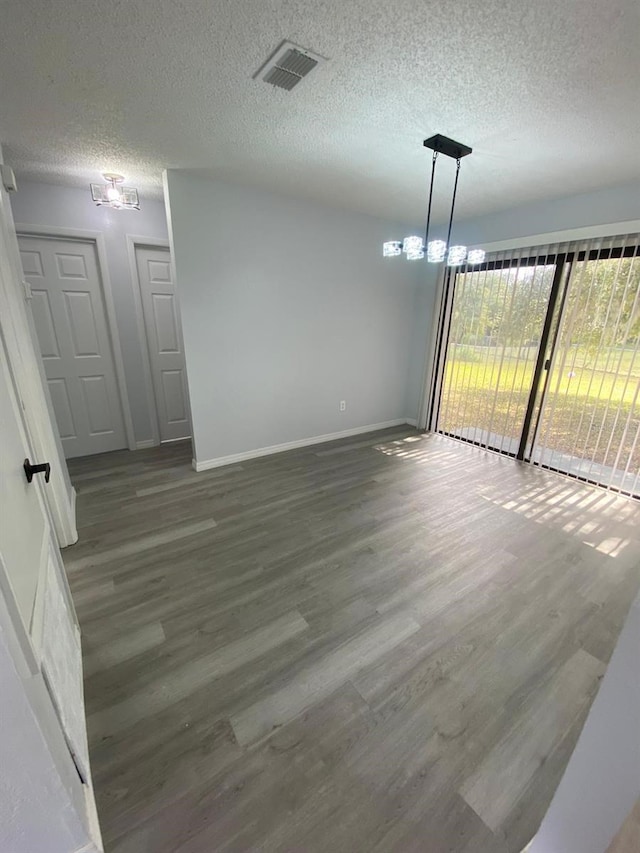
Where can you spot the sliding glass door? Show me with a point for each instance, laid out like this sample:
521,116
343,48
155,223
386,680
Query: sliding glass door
589,421
494,337
542,360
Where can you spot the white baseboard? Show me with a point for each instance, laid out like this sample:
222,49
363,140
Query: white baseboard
143,445
207,464
412,422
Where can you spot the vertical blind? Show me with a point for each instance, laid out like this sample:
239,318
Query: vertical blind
589,422
541,358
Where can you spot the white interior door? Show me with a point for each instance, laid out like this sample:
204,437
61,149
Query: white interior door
70,320
164,338
24,536
43,732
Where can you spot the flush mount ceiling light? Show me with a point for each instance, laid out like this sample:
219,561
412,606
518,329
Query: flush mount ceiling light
112,194
437,250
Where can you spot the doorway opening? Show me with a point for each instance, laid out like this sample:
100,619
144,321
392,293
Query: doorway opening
541,360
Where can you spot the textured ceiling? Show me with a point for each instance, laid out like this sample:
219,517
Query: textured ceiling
546,92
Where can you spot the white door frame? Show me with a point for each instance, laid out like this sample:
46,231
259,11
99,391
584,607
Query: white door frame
97,238
133,242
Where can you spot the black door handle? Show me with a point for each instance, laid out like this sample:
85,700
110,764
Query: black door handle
30,470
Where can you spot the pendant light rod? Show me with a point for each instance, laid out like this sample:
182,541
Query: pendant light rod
453,201
437,251
433,174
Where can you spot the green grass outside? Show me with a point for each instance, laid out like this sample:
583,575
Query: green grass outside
588,403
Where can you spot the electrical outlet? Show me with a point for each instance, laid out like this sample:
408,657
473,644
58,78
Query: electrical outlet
343,405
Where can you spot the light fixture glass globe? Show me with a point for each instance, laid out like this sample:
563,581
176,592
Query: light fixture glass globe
391,248
113,194
412,244
436,250
456,255
476,256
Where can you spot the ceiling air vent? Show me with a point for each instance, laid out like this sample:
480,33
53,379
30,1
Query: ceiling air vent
288,65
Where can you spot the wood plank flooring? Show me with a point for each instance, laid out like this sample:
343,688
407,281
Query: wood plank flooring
387,643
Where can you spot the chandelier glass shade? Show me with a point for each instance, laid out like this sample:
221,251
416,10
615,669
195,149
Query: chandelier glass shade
437,251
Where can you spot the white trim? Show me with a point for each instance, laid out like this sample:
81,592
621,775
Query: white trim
133,241
146,444
218,462
411,422
96,844
568,235
149,242
97,238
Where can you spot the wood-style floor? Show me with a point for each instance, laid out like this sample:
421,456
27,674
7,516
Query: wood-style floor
387,643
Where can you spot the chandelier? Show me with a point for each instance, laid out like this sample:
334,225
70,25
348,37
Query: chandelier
437,251
112,194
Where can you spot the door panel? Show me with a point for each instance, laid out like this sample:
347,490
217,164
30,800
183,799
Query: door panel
176,409
81,318
71,324
96,401
45,329
165,321
31,263
164,339
71,266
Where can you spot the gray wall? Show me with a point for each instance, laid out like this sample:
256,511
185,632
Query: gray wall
602,780
287,308
421,331
604,207
65,207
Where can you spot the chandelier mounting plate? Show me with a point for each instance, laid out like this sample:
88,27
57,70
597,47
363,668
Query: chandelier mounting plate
448,147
